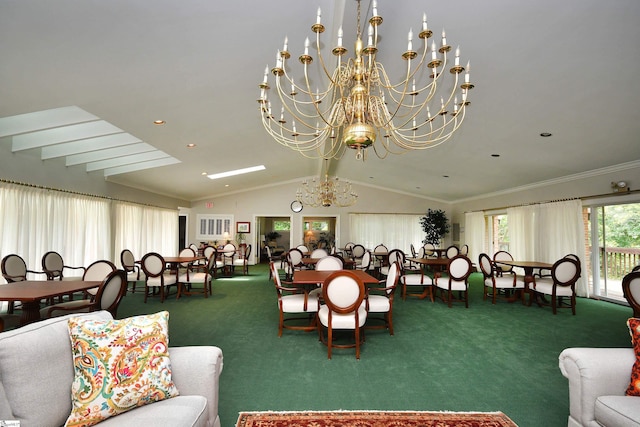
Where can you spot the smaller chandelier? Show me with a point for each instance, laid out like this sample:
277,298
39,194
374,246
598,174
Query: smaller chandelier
327,192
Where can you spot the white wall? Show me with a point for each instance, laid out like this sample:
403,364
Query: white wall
276,201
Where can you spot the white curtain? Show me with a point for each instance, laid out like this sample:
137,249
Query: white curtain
522,232
561,232
34,221
547,232
143,229
475,234
395,231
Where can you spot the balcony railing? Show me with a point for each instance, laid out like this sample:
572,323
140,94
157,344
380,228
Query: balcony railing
619,261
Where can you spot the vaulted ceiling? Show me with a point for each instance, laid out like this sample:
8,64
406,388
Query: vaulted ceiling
84,82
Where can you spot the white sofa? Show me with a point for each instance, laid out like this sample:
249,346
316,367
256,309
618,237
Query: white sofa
598,379
36,372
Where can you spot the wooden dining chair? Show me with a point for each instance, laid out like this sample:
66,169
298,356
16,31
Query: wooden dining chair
203,276
156,278
97,271
379,299
343,294
242,261
14,269
54,266
133,270
294,305
494,285
631,290
561,286
456,281
108,296
452,251
357,252
502,268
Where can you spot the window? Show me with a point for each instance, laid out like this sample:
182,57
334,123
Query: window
281,225
213,227
316,226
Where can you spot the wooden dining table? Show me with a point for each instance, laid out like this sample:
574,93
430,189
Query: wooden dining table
528,266
312,277
435,262
31,292
310,262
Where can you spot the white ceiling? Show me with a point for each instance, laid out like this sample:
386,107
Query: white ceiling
565,67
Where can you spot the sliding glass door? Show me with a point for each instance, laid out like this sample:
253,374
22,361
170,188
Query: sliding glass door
615,247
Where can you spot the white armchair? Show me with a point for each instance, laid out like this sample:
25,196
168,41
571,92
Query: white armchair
598,379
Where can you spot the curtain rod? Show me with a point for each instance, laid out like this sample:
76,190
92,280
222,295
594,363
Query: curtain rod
595,196
77,193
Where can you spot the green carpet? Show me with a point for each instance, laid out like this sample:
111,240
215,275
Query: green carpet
501,357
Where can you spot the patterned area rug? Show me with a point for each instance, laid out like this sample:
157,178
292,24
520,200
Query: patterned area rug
373,419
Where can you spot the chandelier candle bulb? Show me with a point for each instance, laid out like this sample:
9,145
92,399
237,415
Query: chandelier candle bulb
434,52
340,37
457,63
375,8
409,39
306,44
319,15
424,22
286,44
444,38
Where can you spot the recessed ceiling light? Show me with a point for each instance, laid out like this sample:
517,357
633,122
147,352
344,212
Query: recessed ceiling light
236,172
226,185
203,173
545,134
191,145
159,122
495,155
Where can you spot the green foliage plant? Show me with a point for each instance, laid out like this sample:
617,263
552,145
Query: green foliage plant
435,225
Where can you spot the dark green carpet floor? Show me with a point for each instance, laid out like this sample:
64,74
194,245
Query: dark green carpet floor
501,357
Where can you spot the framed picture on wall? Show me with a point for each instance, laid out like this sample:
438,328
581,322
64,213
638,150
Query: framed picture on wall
243,227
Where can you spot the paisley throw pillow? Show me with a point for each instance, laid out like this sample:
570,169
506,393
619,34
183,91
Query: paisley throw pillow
634,330
119,365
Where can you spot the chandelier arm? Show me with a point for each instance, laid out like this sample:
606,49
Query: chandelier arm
410,143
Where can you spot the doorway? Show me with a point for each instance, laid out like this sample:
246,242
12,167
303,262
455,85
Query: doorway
319,232
275,232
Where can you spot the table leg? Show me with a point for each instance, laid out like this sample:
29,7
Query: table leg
30,312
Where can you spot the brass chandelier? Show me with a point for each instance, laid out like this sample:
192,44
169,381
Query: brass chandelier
360,104
327,192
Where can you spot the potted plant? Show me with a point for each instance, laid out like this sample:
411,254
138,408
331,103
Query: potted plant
272,236
435,225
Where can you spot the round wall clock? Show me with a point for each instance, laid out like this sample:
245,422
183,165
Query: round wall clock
296,206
